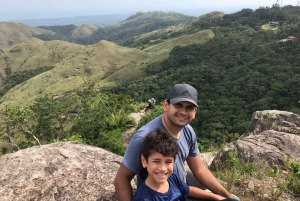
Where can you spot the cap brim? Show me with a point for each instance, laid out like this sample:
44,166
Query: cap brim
177,100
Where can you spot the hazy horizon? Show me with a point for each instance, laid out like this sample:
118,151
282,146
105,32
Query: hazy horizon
36,9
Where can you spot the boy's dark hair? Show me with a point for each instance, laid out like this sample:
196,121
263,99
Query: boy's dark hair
160,141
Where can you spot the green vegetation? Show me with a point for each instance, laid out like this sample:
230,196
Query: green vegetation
78,116
235,172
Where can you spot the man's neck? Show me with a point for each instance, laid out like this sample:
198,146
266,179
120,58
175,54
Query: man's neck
158,187
173,130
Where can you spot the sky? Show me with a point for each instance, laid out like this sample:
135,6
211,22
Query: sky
40,9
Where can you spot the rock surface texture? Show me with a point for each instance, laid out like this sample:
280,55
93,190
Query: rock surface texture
274,138
59,171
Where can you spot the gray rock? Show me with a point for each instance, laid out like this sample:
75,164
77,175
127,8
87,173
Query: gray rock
251,186
281,121
267,145
59,171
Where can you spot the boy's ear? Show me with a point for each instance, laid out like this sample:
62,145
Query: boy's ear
144,161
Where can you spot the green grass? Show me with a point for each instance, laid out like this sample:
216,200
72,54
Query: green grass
272,181
268,27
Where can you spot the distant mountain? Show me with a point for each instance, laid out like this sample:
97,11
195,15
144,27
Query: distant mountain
133,26
11,33
111,19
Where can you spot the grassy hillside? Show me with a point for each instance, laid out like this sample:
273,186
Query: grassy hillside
161,50
94,63
85,30
11,33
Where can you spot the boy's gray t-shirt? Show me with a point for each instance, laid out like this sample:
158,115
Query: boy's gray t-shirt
187,143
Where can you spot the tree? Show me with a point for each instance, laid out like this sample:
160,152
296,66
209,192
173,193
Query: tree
16,117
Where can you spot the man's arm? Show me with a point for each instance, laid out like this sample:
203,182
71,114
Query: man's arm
205,177
122,183
202,194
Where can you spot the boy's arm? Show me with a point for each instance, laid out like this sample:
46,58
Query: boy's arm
205,177
202,194
122,183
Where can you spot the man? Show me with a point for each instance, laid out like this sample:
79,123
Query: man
179,110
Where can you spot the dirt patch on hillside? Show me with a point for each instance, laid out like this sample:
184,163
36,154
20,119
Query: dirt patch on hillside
129,133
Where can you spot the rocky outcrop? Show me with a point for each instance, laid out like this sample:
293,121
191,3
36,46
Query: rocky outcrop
276,120
274,139
59,171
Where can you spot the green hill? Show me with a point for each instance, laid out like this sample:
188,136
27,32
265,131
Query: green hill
69,62
11,33
135,25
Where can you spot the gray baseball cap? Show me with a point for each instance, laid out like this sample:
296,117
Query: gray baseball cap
183,92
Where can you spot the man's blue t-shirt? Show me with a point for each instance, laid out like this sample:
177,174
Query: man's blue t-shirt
187,143
178,191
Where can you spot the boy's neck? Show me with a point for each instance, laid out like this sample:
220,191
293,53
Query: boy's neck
158,187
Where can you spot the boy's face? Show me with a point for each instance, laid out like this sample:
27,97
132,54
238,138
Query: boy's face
159,167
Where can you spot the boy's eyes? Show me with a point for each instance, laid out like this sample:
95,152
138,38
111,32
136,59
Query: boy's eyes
168,162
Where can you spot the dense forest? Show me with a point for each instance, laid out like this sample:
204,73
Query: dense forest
242,70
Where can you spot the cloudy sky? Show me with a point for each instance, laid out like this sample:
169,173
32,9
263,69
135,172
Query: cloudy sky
38,9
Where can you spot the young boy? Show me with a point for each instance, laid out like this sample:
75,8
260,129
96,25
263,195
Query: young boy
162,184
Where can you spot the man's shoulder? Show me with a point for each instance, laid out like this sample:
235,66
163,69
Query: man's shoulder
149,127
189,127
188,130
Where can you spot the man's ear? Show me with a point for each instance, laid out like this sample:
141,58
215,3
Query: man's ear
165,105
144,161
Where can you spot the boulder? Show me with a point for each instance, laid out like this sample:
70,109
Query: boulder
281,121
59,171
274,139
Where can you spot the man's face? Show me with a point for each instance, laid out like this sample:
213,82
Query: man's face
159,168
179,114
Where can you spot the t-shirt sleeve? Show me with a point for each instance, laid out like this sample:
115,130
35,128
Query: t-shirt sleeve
132,157
194,150
183,187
